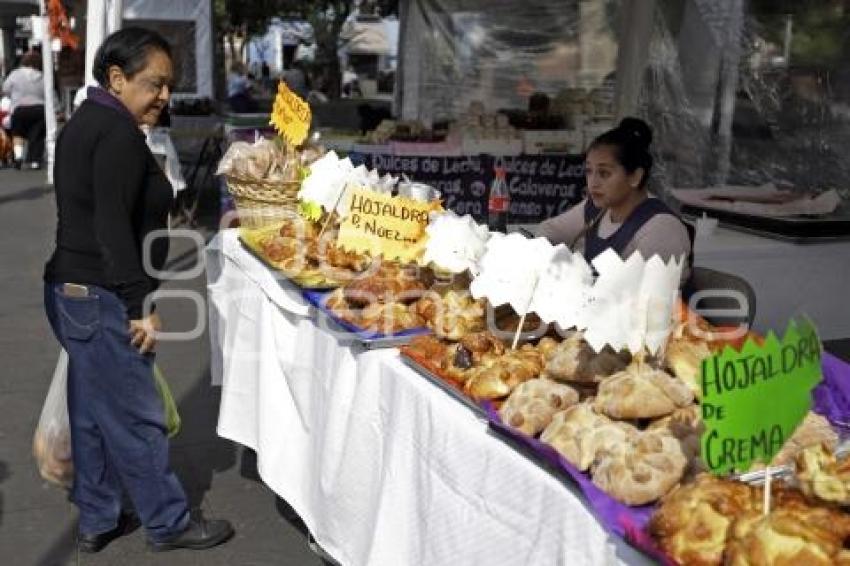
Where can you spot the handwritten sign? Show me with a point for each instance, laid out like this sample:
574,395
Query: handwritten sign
754,399
291,116
380,224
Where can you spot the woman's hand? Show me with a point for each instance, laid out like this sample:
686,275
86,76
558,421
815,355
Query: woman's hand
143,332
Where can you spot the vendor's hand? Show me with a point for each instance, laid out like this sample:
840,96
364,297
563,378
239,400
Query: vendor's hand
143,332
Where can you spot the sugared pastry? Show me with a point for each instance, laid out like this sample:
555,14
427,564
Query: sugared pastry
573,360
532,404
642,392
579,434
642,469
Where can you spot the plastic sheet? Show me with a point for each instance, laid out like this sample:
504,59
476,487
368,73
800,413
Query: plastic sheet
455,52
187,25
737,92
262,160
745,93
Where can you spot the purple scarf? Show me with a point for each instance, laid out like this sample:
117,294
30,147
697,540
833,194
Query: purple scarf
100,96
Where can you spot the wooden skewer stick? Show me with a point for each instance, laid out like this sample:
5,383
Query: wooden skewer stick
766,501
331,213
524,314
518,331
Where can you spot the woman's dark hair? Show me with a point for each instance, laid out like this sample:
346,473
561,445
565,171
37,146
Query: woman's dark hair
630,141
128,49
31,59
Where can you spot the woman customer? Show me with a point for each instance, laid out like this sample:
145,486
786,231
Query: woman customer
113,200
619,213
25,88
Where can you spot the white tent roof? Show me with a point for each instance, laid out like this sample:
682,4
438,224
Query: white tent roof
196,11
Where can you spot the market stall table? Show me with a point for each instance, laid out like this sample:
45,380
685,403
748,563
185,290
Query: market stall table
382,466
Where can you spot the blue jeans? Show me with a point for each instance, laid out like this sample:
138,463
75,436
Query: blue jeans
118,434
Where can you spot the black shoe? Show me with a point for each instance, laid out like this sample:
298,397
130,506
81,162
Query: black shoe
127,523
200,534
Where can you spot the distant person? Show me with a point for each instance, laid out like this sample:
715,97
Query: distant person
112,202
351,84
25,88
296,79
239,90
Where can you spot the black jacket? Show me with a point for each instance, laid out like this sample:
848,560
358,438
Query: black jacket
110,195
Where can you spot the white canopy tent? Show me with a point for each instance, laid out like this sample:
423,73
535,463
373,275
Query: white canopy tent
174,19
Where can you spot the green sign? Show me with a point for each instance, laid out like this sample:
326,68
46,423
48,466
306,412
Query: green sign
753,400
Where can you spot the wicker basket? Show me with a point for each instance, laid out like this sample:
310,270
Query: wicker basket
263,203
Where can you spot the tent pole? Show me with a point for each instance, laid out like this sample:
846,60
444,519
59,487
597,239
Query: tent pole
49,97
114,15
636,20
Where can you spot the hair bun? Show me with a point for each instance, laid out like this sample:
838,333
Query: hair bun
638,129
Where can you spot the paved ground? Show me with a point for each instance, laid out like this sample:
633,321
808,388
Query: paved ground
37,523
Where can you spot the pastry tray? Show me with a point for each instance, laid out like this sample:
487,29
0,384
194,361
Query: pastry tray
442,384
796,229
265,261
368,339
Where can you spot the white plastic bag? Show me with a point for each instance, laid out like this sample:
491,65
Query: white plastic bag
51,444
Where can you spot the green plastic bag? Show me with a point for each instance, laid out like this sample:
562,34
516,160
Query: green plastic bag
172,417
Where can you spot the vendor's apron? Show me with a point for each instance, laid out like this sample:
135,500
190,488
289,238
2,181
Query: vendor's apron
645,211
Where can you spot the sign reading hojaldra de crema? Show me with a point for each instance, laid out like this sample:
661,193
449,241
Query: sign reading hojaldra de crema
752,400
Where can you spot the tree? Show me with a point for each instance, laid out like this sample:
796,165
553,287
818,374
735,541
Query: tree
327,18
237,19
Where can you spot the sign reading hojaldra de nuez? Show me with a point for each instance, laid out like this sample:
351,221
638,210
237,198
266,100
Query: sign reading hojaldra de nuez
753,399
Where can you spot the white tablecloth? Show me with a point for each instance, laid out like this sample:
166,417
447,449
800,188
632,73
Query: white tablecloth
382,466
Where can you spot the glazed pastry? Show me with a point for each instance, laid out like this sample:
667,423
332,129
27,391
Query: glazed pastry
299,228
793,533
683,357
496,375
389,283
822,476
452,315
388,318
487,383
694,522
814,430
483,342
547,346
427,347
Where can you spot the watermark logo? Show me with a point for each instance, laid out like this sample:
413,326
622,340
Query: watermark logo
301,246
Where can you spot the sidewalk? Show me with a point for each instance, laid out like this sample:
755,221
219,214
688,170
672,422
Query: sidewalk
37,523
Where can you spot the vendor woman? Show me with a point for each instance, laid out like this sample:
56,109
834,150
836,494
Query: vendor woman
619,213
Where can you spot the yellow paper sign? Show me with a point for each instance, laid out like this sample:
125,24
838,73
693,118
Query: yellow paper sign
291,116
380,224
